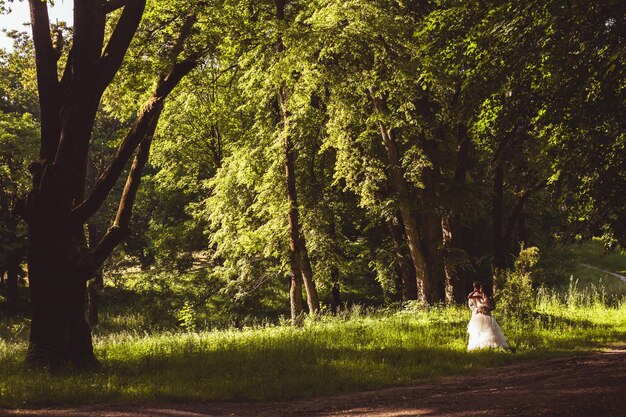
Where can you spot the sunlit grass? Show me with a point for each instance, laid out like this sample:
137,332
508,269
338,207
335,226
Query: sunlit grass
355,351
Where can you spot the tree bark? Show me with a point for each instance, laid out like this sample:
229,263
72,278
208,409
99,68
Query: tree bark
59,333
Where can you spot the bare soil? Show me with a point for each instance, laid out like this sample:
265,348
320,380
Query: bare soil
590,385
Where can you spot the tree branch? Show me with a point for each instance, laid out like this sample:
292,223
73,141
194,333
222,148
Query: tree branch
47,79
120,229
140,128
120,40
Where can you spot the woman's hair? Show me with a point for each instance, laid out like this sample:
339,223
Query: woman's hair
477,284
487,291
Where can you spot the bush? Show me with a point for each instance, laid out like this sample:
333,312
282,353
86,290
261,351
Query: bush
516,297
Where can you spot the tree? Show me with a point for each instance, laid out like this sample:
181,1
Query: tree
59,260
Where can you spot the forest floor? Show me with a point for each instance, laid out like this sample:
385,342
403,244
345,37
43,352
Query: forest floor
588,385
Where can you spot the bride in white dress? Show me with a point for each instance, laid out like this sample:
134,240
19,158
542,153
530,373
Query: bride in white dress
484,331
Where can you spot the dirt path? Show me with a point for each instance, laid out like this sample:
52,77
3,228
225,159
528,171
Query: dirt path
584,386
615,274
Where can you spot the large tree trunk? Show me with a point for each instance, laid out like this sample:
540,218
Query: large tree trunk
408,282
426,284
59,333
297,242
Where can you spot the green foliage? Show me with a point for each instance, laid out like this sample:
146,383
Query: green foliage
516,297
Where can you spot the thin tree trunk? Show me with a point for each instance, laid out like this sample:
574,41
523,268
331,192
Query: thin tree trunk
13,268
297,241
455,283
498,263
335,303
431,234
295,292
406,270
312,297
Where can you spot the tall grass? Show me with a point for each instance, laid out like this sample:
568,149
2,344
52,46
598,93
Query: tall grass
354,351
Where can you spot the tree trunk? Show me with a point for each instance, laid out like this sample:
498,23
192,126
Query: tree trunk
455,283
335,304
295,292
406,270
426,285
59,333
297,243
312,297
431,238
498,263
12,269
431,234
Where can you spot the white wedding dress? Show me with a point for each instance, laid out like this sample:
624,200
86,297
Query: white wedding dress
484,331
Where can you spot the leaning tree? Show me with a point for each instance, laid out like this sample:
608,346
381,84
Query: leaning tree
57,206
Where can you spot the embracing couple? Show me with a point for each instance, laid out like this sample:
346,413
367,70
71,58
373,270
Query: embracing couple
484,331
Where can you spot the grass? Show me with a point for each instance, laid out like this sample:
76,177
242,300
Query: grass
355,351
587,259
592,252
